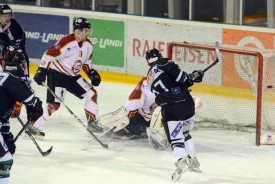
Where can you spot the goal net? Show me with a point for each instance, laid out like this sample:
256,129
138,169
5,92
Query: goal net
238,92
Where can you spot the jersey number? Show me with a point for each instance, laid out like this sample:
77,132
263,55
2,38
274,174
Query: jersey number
159,83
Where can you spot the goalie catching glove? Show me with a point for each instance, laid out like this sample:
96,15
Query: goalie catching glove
94,76
40,75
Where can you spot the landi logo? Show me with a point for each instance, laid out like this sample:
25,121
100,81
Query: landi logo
45,37
108,42
103,43
238,72
42,31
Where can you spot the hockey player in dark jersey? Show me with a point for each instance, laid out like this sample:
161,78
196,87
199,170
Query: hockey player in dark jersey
13,87
11,33
170,85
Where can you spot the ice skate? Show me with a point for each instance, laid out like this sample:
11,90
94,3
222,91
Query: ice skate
94,127
193,164
37,134
182,166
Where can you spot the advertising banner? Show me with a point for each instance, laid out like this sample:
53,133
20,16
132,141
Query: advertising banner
145,35
42,31
236,74
108,42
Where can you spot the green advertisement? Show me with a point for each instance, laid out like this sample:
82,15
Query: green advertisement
108,42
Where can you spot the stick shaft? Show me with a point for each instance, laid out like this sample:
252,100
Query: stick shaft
73,114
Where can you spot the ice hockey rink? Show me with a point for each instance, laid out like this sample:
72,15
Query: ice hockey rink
226,156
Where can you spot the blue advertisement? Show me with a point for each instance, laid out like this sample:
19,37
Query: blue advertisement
42,31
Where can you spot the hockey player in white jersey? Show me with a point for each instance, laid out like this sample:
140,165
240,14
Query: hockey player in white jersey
61,64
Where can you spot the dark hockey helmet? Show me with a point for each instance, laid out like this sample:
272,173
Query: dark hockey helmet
5,9
14,57
81,23
152,56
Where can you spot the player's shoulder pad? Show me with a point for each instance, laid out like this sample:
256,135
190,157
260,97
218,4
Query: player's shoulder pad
164,62
63,41
3,77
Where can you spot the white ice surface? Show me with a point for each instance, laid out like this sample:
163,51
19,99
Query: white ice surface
226,157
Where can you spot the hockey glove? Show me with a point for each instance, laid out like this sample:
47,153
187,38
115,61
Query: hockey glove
34,109
16,109
8,138
94,76
190,80
40,75
137,124
198,75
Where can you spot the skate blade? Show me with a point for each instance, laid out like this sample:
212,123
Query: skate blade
195,169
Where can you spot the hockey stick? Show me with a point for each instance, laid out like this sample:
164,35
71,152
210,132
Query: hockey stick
43,153
22,130
217,57
73,114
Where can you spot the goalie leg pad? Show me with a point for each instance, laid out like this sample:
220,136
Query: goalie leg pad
115,121
157,138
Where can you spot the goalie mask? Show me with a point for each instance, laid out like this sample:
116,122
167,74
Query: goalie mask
14,59
152,56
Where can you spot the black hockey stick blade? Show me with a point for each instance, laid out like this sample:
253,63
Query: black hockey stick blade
217,58
22,130
46,153
43,153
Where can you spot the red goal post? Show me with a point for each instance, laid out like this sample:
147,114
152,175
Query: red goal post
237,92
